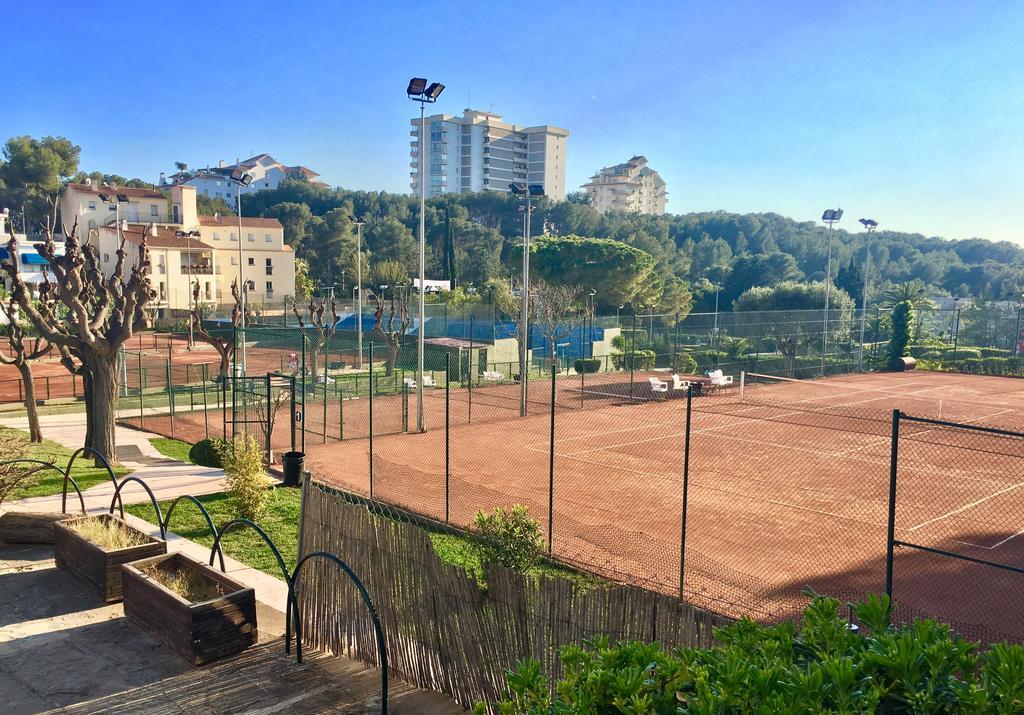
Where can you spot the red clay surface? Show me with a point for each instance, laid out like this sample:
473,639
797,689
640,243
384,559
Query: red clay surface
788,490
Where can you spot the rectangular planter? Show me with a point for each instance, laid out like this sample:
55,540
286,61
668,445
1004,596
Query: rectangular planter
199,632
98,569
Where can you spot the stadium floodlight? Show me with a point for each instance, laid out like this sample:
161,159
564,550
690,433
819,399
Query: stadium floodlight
417,85
536,190
359,288
241,178
419,91
433,91
518,188
829,216
870,224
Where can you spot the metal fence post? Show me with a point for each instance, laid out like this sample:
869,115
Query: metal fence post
303,395
170,397
447,451
371,419
268,427
956,336
142,409
551,467
686,489
632,353
675,343
890,543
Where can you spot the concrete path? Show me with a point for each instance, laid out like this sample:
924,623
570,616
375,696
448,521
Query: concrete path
166,477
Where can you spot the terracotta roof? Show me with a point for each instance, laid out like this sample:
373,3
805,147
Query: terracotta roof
303,170
129,192
164,238
250,221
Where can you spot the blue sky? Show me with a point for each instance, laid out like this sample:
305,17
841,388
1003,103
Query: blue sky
909,112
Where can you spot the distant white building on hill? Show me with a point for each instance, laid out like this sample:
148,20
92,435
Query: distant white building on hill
632,187
267,173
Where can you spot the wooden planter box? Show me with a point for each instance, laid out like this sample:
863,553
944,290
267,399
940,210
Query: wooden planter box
200,632
99,570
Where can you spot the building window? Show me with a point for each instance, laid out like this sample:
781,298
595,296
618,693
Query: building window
154,210
92,205
252,261
208,294
106,256
270,288
112,207
163,292
250,285
270,267
216,236
267,238
92,224
176,213
233,236
234,260
252,238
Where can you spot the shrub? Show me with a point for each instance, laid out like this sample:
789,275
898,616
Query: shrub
508,537
995,352
636,360
13,445
246,482
685,364
820,666
206,453
902,320
587,365
931,355
963,353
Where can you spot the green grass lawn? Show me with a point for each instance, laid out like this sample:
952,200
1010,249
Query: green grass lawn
172,448
48,481
282,524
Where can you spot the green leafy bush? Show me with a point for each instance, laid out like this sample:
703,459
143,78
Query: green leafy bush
246,481
685,364
508,537
902,320
995,352
205,453
820,666
963,353
587,365
636,360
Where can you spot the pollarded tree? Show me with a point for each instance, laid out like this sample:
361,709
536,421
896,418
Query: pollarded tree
102,313
323,330
224,341
392,329
555,310
21,354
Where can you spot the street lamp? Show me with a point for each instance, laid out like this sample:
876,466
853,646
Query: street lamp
593,309
1017,336
870,225
830,216
419,91
241,179
115,199
520,189
187,235
359,287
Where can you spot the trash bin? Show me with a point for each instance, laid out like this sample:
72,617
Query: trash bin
293,463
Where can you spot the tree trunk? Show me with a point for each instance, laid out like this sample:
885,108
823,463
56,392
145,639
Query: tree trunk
392,358
225,361
35,433
104,405
87,397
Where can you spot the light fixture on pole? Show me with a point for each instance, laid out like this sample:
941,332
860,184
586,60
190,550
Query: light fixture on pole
240,179
359,288
1017,339
830,216
419,91
187,235
870,225
529,192
590,333
115,199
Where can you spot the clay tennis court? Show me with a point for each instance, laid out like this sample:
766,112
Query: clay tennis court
788,490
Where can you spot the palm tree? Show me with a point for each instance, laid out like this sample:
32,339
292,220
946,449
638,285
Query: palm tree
913,292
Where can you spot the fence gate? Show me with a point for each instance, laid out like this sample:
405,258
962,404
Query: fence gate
257,403
955,542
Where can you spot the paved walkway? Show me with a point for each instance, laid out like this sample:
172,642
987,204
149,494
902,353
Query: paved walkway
166,477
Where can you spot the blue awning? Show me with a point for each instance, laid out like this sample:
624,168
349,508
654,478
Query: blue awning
33,259
4,254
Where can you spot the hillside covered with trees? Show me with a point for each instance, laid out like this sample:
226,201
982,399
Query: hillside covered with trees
694,252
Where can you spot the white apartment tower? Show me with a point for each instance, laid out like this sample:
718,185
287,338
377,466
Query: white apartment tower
632,187
479,152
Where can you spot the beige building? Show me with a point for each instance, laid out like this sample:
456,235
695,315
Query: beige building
632,187
479,152
209,253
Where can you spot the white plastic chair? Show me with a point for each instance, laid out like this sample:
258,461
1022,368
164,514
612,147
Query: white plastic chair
657,386
492,375
410,382
679,384
719,381
428,381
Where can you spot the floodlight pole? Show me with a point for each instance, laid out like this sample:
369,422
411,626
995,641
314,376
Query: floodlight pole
829,217
524,308
359,288
1016,335
871,226
241,284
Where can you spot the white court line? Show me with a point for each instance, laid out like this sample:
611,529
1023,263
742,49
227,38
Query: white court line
965,507
1012,536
